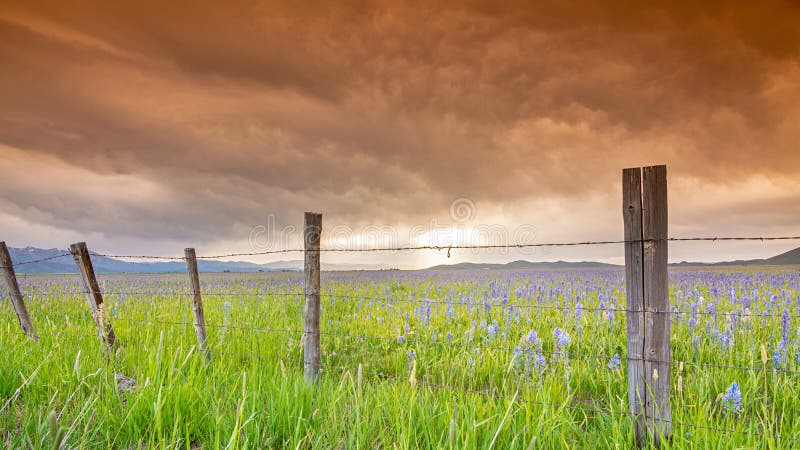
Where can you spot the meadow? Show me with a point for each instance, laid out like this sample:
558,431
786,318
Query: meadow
450,359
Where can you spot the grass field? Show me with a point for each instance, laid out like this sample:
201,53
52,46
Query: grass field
456,360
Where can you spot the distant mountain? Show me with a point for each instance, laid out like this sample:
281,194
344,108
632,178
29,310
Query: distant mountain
788,258
521,264
102,264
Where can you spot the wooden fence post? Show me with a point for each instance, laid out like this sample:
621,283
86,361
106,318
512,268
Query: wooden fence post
656,293
101,319
634,316
197,302
644,203
15,294
312,231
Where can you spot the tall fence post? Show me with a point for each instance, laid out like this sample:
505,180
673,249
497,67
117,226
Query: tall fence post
656,293
644,202
634,316
101,319
16,295
197,302
312,231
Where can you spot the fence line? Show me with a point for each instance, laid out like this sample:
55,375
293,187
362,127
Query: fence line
391,300
427,301
581,408
647,310
433,247
467,246
482,392
468,346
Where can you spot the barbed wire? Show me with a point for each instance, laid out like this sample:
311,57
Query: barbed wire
466,346
469,346
427,301
187,294
491,392
209,325
440,247
484,304
565,307
39,260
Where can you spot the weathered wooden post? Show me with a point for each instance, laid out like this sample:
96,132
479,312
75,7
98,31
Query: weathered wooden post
658,354
101,319
197,302
15,294
312,232
648,322
634,317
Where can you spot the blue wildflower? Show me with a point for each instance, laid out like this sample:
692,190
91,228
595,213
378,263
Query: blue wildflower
561,339
777,359
614,363
527,355
786,326
533,340
726,339
732,400
540,363
492,330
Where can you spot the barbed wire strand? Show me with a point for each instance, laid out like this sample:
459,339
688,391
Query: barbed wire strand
491,392
488,392
426,301
441,247
39,260
467,346
559,307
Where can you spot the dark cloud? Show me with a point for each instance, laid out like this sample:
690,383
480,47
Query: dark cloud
383,113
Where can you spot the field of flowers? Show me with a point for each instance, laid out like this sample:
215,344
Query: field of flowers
502,359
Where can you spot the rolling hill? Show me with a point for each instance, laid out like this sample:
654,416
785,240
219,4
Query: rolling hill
103,264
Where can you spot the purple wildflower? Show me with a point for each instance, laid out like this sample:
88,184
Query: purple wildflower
732,400
562,340
614,363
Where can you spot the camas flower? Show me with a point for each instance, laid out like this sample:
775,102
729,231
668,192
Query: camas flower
533,340
614,363
777,359
539,363
786,325
578,311
562,340
528,356
732,400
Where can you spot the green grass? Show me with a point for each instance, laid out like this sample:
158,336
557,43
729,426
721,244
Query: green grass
248,397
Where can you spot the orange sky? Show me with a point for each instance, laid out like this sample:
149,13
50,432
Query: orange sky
150,126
